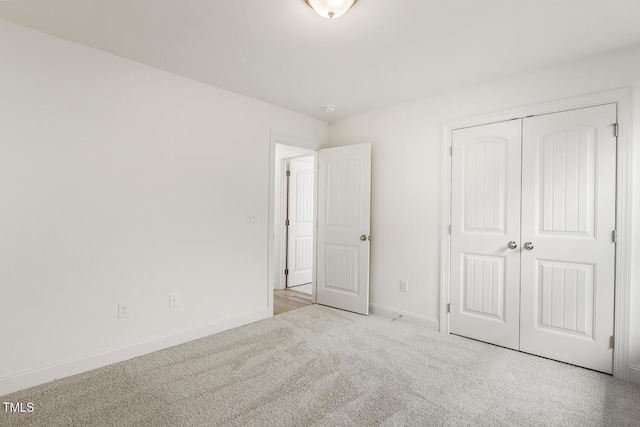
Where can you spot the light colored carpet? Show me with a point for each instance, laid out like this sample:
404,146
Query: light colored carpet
318,366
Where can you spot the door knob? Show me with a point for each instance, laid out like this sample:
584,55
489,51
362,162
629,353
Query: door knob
363,237
528,246
512,245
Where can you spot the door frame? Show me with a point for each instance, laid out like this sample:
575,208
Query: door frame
274,272
622,99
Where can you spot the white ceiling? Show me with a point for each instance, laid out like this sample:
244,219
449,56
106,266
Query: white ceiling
381,53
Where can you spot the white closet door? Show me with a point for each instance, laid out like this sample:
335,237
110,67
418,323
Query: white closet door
485,217
300,215
568,216
344,221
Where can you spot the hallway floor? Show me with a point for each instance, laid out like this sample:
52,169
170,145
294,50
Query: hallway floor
287,299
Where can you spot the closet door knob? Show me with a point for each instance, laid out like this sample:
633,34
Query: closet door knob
512,245
528,246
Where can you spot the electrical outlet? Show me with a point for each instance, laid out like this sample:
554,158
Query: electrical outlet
123,310
251,218
404,286
173,300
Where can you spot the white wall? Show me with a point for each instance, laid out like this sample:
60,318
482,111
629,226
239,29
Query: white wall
120,182
407,157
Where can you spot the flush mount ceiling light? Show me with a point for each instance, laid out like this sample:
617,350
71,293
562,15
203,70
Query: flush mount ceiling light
331,8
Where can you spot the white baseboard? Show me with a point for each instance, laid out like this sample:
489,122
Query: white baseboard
43,375
634,374
414,319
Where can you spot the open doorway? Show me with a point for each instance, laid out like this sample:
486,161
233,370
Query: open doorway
341,225
294,219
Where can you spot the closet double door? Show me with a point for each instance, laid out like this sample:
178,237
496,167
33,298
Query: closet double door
533,235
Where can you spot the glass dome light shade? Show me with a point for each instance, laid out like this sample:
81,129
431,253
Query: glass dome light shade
331,8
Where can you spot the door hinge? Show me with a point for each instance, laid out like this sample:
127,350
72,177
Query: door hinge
286,223
449,308
450,150
288,173
286,271
612,341
449,228
615,130
614,236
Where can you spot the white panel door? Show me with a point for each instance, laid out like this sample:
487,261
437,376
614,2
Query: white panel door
300,217
344,204
485,217
568,216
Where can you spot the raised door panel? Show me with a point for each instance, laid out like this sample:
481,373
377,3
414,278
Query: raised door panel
566,182
483,286
485,217
568,216
484,166
302,254
343,198
565,298
304,196
341,268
